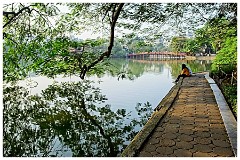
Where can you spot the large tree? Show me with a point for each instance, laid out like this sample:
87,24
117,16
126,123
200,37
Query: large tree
178,44
32,43
36,35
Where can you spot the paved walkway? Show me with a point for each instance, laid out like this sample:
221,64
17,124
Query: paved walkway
193,127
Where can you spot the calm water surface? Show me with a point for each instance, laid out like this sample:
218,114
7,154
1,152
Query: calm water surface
152,80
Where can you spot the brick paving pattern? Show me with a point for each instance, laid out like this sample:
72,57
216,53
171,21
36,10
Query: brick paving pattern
193,127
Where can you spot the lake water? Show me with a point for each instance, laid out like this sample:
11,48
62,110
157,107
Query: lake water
150,82
153,80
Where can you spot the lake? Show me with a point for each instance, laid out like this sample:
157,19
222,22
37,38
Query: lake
95,117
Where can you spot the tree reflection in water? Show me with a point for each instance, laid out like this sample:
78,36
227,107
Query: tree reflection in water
66,119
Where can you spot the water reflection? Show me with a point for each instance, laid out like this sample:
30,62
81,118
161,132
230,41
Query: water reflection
65,121
137,68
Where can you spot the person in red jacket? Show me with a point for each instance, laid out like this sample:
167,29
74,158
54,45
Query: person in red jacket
185,72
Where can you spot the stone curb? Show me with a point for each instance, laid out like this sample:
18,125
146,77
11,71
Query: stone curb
227,116
133,148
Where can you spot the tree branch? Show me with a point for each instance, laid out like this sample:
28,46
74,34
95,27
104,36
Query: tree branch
108,9
5,35
115,16
15,14
101,130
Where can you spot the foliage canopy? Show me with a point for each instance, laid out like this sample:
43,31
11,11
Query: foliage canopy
37,36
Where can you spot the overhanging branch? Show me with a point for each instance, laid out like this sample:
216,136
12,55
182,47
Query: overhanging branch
15,15
115,15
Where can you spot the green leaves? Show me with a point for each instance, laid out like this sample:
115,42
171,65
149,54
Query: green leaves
25,38
178,44
71,115
41,34
230,92
228,54
225,39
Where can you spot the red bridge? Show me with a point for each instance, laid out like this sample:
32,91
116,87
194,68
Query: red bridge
157,55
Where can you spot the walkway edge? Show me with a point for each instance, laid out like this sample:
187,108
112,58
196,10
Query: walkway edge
132,149
227,116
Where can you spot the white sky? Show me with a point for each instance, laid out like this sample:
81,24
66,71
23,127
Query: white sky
89,34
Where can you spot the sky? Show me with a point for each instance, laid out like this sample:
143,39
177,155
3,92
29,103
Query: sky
89,34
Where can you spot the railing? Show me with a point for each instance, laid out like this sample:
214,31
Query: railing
223,75
156,55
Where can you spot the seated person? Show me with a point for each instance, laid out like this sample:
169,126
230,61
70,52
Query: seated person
186,72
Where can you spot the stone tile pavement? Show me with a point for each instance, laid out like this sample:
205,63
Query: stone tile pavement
193,127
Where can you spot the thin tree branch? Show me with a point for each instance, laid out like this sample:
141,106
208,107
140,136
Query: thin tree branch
8,13
16,14
108,52
101,130
107,11
5,35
